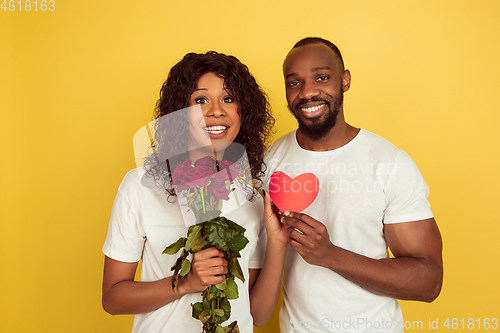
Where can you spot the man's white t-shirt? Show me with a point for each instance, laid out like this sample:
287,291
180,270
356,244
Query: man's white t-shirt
143,222
363,185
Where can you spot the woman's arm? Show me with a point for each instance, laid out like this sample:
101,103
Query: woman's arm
122,295
265,283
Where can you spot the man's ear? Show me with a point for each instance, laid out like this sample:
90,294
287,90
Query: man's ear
346,80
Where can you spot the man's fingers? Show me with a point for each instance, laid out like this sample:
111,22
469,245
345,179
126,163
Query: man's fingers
295,223
313,223
296,235
296,246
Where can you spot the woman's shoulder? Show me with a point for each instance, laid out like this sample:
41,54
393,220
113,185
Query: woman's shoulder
139,179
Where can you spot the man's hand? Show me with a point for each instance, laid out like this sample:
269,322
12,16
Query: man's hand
309,238
415,272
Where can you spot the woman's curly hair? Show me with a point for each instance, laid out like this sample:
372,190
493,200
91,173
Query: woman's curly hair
182,80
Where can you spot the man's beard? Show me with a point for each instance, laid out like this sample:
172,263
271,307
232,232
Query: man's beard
317,128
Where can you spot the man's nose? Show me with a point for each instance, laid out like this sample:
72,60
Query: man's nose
309,90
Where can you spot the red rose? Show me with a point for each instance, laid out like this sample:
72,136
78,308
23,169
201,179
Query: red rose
186,176
206,161
232,168
217,186
198,176
178,175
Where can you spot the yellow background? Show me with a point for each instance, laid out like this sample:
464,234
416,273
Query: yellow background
77,83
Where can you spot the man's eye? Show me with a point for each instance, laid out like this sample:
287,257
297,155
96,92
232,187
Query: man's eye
201,100
293,84
323,78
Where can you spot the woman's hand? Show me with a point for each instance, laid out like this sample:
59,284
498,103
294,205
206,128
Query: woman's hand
276,231
208,267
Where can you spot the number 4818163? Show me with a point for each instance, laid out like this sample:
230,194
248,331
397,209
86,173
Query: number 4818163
28,5
471,323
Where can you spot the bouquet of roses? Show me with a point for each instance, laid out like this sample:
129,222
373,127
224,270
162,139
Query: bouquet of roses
205,184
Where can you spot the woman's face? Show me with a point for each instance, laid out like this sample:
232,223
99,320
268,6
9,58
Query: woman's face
219,117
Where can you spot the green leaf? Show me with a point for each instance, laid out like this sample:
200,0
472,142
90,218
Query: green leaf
193,236
175,247
226,306
235,268
186,266
174,280
215,238
221,329
238,243
203,318
206,307
219,312
200,243
231,289
178,266
221,285
224,231
234,253
197,309
234,226
234,327
178,263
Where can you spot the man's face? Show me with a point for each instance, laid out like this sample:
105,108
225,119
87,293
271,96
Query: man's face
315,82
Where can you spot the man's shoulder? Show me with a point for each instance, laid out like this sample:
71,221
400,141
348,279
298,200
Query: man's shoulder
377,141
375,145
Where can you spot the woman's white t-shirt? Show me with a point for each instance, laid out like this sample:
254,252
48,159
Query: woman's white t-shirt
143,222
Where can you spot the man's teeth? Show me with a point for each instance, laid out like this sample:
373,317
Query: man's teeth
312,108
215,129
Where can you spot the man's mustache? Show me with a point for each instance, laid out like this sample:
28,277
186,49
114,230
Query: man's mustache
313,99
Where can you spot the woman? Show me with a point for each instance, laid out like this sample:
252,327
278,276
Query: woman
146,219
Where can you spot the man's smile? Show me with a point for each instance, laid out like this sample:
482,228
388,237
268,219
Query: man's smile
312,110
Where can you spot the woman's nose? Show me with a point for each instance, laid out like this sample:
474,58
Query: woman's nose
216,109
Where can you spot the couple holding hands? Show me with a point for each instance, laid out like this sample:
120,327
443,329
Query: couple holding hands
331,259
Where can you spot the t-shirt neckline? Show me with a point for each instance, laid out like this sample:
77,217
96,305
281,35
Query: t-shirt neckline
344,147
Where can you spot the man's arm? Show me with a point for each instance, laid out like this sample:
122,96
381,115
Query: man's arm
416,272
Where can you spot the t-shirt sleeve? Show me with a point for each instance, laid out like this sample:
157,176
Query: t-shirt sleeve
125,239
406,193
257,259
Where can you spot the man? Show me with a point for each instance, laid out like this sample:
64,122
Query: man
338,275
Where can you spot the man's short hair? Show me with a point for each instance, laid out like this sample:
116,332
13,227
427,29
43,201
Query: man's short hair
315,40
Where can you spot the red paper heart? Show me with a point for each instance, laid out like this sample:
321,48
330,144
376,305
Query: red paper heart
293,194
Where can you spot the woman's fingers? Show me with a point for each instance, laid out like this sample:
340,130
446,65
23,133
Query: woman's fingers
209,266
